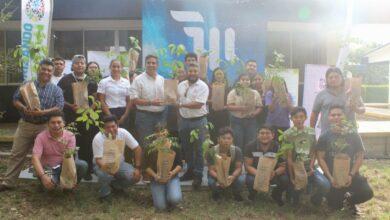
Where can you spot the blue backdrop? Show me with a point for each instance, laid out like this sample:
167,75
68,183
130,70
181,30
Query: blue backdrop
227,28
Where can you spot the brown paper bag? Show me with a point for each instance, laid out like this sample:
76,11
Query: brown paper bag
300,175
249,100
203,66
113,151
222,165
165,159
341,169
30,96
133,59
217,97
80,94
263,175
68,178
170,91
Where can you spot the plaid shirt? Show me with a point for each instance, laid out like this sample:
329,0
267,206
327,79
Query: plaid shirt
50,96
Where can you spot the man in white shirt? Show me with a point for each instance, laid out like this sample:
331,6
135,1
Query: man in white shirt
126,174
193,95
147,91
59,66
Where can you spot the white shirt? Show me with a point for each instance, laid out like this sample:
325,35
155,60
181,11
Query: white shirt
146,87
55,79
115,91
123,134
197,92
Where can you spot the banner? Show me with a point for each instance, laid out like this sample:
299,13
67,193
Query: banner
206,26
314,83
36,18
291,76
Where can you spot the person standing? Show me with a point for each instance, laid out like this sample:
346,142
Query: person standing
147,93
59,66
32,121
85,136
333,94
251,68
113,93
193,95
244,105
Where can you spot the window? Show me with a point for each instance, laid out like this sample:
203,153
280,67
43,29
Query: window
99,40
68,43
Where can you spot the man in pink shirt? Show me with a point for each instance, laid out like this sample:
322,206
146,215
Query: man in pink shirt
49,149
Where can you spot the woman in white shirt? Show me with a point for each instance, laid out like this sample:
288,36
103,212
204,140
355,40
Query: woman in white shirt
113,93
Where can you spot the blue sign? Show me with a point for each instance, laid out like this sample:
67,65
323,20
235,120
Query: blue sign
229,29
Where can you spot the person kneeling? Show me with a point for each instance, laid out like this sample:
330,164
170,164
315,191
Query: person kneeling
49,151
265,148
225,166
298,144
163,163
340,154
111,169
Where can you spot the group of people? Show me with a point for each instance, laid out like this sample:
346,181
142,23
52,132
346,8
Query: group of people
253,124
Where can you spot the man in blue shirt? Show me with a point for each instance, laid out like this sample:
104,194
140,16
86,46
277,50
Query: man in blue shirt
32,121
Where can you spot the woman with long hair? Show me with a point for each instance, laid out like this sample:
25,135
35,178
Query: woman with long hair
334,94
244,104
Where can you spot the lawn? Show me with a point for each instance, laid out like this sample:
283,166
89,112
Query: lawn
27,202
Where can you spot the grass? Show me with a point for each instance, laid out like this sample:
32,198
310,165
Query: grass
26,202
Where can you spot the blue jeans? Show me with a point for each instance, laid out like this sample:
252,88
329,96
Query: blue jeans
193,152
244,130
145,124
236,185
122,179
81,170
318,182
164,194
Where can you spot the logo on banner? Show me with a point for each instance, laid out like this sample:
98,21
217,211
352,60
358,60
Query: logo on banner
197,34
35,10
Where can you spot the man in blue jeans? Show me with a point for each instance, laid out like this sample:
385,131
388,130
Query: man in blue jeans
193,95
235,180
127,174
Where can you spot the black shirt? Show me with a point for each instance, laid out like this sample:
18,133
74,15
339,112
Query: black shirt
66,85
333,143
253,150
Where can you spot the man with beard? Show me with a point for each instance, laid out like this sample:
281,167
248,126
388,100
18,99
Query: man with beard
193,95
48,152
147,91
32,121
85,137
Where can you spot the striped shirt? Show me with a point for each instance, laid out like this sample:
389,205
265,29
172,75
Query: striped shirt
50,96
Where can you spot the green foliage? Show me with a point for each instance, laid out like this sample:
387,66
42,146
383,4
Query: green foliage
134,43
7,11
89,116
346,127
72,128
38,51
158,141
277,65
68,153
207,143
170,58
194,135
236,63
375,93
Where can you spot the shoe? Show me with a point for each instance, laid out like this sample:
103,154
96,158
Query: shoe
187,176
197,183
348,205
88,177
4,188
216,196
278,198
106,199
238,198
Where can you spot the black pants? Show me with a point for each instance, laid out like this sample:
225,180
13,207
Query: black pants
84,142
118,112
359,189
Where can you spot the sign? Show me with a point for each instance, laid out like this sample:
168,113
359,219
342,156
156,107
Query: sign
315,82
291,77
36,18
206,26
